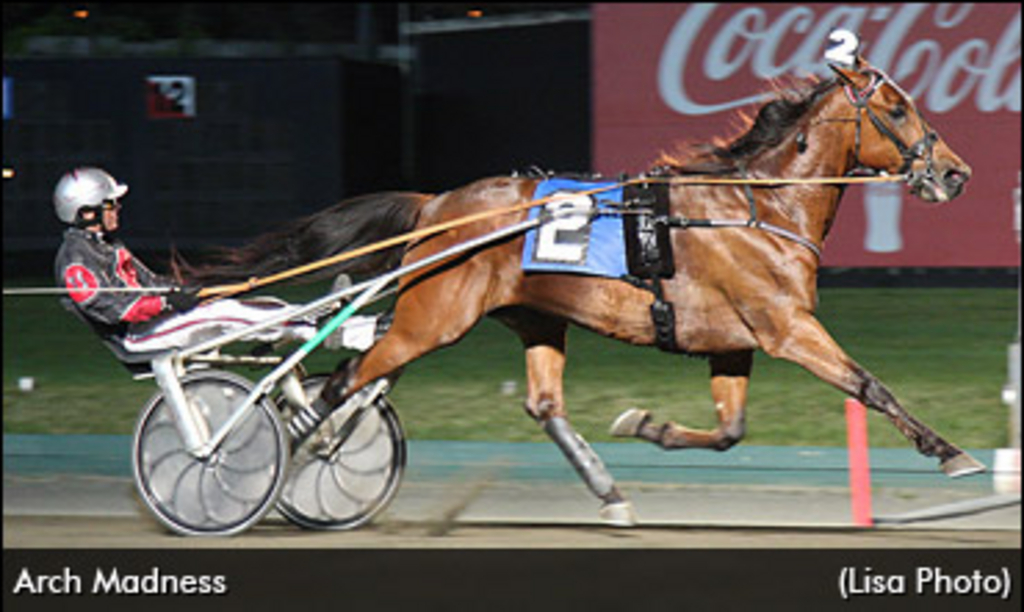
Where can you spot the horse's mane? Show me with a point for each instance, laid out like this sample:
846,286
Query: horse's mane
773,122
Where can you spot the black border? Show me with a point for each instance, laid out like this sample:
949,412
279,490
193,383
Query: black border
679,580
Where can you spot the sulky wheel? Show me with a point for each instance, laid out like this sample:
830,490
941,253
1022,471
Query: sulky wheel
349,470
231,489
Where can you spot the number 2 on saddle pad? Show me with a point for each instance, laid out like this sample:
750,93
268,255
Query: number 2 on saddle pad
577,239
565,238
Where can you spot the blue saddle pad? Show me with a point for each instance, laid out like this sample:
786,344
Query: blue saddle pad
575,241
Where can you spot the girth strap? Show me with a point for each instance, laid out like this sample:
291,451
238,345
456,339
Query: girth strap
649,253
663,314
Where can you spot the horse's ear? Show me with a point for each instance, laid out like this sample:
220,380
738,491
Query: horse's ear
852,76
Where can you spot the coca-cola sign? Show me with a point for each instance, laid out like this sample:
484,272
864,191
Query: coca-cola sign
671,73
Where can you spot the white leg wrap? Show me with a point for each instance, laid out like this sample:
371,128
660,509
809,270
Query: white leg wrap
588,465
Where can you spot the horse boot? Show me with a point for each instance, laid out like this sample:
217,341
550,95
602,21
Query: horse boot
302,425
628,424
616,509
309,415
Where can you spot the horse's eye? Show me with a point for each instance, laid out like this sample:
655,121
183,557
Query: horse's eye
898,112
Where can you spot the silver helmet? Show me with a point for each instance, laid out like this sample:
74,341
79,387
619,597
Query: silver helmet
84,188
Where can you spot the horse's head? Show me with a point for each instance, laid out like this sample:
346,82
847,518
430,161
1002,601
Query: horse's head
893,137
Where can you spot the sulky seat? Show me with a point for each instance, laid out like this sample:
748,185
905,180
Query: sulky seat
136,362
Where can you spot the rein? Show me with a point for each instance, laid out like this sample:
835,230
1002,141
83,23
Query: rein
221,291
255,282
920,150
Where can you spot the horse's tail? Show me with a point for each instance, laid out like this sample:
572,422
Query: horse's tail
347,225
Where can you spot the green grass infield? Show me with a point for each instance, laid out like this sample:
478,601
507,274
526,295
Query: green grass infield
942,352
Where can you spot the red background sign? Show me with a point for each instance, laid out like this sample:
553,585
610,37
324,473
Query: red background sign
671,73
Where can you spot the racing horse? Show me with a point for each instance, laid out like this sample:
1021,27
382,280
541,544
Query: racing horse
736,288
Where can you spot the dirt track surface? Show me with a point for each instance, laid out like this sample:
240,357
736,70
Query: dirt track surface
129,532
97,512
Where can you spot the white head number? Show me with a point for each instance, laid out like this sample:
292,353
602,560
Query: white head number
842,48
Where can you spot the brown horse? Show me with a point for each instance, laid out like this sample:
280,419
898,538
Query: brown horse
735,289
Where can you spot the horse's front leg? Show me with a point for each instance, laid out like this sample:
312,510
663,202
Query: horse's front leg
805,342
730,376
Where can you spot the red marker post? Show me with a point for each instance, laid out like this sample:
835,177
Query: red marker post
860,469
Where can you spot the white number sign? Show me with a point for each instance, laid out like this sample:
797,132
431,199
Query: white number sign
171,97
564,238
843,48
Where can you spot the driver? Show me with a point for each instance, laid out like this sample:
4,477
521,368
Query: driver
107,283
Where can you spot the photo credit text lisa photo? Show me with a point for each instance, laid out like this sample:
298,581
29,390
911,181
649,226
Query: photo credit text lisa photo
924,581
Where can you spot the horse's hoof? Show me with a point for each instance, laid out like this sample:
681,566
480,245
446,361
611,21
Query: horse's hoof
962,465
629,422
618,514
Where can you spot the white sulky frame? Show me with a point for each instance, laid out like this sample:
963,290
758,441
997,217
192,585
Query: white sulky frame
170,366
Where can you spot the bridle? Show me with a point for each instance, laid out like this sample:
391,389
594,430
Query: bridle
920,150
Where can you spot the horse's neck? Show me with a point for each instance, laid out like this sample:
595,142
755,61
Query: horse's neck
809,210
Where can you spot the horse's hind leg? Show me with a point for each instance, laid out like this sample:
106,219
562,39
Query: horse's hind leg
730,375
428,316
544,340
809,345
415,331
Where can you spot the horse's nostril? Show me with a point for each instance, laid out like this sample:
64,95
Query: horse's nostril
955,177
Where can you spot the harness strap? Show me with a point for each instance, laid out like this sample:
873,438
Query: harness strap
686,223
663,314
648,244
649,253
749,192
647,276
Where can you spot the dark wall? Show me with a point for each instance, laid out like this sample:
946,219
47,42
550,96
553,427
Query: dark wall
277,139
497,100
372,123
271,140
